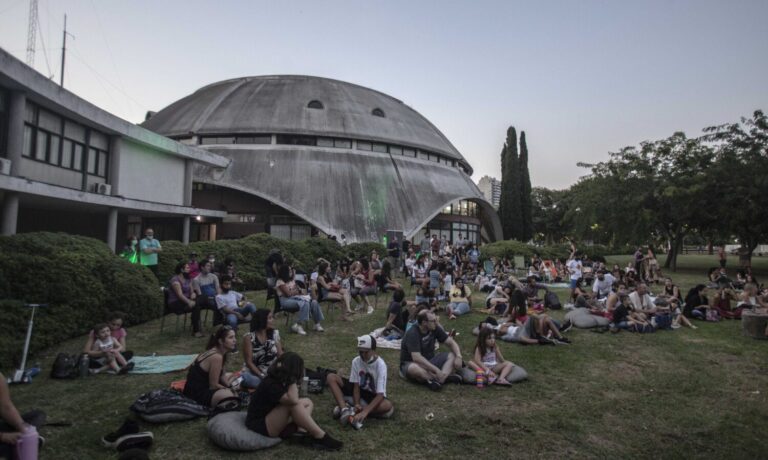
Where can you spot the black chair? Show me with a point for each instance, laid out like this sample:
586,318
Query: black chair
166,311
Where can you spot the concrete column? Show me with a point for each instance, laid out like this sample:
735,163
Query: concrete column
114,164
16,112
189,165
185,230
10,215
112,229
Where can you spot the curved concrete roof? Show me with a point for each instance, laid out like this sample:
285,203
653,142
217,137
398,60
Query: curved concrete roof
278,104
361,195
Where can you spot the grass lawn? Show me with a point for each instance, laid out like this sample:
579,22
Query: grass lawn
686,393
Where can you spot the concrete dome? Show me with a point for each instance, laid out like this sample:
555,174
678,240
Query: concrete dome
279,104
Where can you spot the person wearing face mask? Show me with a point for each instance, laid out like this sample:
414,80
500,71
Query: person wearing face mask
149,248
131,250
182,298
364,394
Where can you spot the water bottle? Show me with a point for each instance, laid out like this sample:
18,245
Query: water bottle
355,425
27,444
304,387
480,379
85,364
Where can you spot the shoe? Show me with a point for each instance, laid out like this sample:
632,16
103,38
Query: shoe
676,326
327,443
453,378
434,385
135,441
545,341
566,326
344,415
298,329
336,412
370,309
562,341
319,328
128,427
126,369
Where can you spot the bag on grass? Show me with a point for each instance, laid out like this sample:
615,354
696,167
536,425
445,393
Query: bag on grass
317,379
551,301
159,406
66,366
664,321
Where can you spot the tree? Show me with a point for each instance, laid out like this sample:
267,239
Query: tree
525,192
548,208
742,168
509,203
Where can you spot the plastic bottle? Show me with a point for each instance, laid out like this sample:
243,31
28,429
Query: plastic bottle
85,364
27,445
480,379
304,387
355,425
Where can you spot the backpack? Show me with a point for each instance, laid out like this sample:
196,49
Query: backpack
317,379
66,366
159,406
663,321
551,301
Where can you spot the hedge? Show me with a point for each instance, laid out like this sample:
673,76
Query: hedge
78,277
511,248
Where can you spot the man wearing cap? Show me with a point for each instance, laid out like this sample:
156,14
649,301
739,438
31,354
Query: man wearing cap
364,394
418,360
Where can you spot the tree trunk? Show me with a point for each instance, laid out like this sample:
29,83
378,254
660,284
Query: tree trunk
677,245
710,248
745,255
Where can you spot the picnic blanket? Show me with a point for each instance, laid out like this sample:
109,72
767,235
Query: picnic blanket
161,364
383,342
557,285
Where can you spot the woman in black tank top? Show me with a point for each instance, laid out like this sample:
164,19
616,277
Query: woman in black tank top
207,383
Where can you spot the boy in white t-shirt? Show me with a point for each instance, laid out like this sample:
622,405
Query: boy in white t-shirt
364,394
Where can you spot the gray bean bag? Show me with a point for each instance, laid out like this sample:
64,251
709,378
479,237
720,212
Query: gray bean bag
228,431
583,319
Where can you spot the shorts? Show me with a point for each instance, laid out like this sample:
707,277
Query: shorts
260,426
574,283
348,390
438,361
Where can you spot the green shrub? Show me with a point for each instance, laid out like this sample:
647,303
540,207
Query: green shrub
78,277
511,248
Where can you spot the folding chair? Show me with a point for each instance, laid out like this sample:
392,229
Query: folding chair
166,311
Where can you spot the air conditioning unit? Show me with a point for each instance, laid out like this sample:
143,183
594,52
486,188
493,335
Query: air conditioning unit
101,188
5,166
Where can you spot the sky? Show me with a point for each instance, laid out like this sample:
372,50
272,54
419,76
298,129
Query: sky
582,78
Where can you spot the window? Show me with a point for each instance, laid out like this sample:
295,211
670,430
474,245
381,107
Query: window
66,154
395,150
409,152
291,139
258,139
93,158
324,142
27,152
41,146
423,155
377,112
55,144
381,148
364,145
102,168
342,143
315,104
77,163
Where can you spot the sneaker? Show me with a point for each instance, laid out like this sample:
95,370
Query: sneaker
566,326
126,369
298,329
562,341
128,427
327,443
370,309
319,328
344,415
434,385
453,378
545,341
336,412
135,441
676,326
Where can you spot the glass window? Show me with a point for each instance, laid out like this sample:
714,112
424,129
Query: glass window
377,112
27,152
29,113
77,160
53,156
434,157
98,140
102,169
290,139
315,105
364,146
49,121
74,131
381,148
324,142
259,139
209,140
41,147
66,154
93,157
342,143
409,152
395,150
423,155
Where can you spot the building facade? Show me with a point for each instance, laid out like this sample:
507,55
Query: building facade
69,166
490,187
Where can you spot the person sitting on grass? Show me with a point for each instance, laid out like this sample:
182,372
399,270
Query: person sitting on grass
276,409
603,284
386,279
420,269
488,359
364,284
622,314
460,300
207,383
497,300
641,300
397,314
104,350
543,325
750,298
232,304
12,425
364,394
261,347
696,302
418,361
115,323
426,295
531,289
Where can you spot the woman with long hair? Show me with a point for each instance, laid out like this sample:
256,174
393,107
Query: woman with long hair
207,383
330,290
261,347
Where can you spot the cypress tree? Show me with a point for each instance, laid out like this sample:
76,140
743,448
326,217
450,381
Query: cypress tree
526,216
510,203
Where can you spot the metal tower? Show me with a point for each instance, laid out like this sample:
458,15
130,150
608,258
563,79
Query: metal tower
32,33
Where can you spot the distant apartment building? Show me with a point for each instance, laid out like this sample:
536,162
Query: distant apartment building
491,189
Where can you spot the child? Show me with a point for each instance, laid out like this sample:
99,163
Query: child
489,360
115,321
366,388
105,351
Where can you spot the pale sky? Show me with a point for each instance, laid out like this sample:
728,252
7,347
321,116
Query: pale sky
580,77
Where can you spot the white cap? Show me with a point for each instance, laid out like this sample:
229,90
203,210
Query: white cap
365,342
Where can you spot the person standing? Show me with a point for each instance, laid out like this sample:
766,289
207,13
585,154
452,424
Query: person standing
393,252
722,257
149,249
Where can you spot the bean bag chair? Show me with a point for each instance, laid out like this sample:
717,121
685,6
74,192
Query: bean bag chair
227,430
583,319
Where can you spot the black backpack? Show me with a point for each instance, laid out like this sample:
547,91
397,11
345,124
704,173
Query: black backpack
551,301
65,366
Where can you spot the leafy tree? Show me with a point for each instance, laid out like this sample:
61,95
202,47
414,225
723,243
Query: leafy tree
741,176
548,208
525,192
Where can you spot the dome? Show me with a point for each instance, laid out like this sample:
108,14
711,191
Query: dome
303,105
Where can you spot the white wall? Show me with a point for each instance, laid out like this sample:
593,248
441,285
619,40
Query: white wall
151,175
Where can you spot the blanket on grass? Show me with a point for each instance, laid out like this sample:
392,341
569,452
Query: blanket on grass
161,364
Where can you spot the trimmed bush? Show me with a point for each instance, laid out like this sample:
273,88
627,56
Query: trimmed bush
511,248
78,277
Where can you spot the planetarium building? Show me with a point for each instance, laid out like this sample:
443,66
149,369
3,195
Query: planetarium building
313,155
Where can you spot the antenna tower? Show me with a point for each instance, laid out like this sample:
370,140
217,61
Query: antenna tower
32,33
